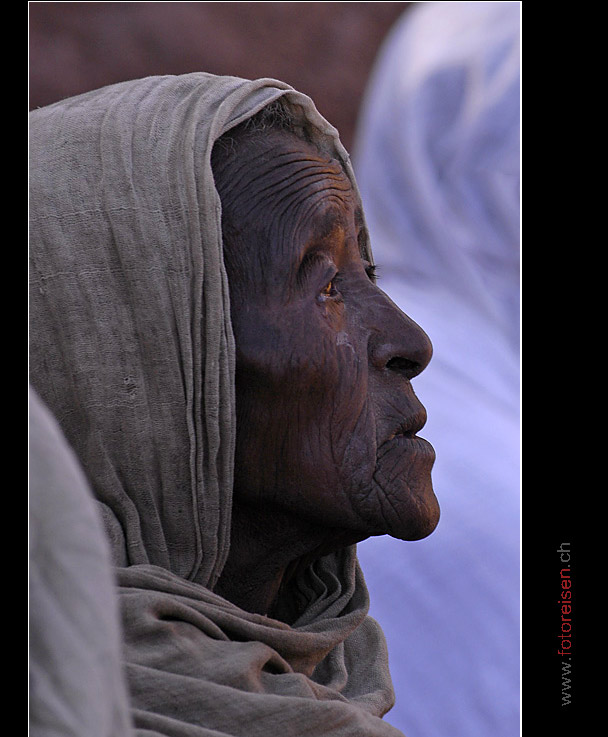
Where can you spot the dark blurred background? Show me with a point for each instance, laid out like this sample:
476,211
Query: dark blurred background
324,49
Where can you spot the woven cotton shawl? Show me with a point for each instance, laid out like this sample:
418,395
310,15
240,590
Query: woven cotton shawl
132,351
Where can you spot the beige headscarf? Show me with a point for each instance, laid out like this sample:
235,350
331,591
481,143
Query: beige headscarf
132,351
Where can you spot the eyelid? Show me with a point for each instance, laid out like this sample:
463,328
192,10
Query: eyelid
313,262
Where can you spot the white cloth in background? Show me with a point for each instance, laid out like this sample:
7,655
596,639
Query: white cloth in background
437,162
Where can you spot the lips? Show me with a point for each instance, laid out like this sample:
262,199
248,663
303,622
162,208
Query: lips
409,426
402,478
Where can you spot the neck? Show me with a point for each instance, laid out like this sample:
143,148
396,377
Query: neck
267,547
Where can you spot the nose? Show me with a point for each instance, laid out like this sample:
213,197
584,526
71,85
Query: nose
397,343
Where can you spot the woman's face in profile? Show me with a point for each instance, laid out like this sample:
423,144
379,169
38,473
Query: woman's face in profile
326,415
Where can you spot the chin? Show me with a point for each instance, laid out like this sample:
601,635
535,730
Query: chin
402,490
422,524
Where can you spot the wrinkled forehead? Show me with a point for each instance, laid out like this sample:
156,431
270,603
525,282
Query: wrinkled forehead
284,193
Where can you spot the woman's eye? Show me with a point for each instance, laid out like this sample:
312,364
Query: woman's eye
330,291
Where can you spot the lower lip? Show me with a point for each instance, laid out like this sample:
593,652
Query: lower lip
412,442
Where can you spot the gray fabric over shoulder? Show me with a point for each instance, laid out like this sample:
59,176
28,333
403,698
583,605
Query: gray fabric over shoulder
133,352
77,685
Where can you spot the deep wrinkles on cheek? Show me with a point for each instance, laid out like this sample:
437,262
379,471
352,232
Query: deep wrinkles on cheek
350,415
304,437
359,456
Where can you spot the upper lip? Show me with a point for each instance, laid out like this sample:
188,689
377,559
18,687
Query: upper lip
409,426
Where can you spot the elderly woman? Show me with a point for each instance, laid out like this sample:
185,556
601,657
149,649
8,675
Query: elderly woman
207,333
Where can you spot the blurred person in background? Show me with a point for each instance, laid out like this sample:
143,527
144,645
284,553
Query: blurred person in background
437,159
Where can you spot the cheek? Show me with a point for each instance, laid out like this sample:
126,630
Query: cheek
310,394
305,423
310,351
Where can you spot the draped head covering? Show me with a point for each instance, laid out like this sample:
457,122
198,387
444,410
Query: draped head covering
132,350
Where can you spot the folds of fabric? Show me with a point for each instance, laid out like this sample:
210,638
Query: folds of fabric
194,658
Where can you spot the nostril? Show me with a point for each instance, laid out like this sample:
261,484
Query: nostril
404,366
396,342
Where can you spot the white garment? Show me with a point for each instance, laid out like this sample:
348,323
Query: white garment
437,162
